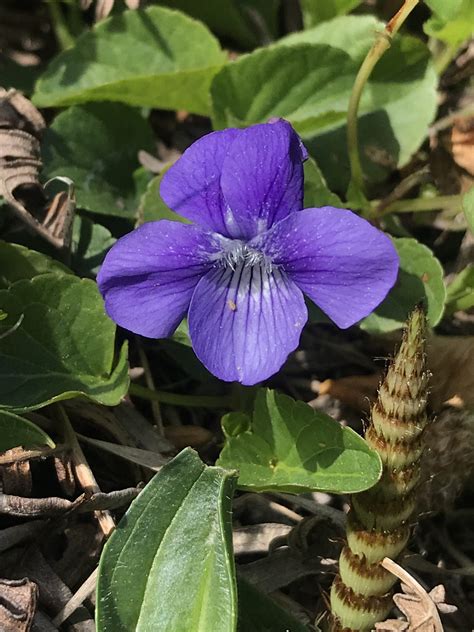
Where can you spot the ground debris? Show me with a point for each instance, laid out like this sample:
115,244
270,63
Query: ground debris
419,607
18,598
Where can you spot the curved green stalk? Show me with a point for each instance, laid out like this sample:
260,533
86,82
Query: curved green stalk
381,44
378,523
192,401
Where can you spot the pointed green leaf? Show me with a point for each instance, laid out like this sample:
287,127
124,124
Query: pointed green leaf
154,57
168,567
420,279
16,431
291,447
57,343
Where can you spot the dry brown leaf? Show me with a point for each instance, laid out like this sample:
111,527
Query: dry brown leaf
16,476
462,143
104,7
188,435
18,598
419,607
358,391
450,360
21,125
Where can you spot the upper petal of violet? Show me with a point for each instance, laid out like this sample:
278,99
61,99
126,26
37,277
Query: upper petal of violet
262,178
192,186
238,182
148,277
344,264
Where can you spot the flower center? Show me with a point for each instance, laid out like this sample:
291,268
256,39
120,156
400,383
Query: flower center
236,252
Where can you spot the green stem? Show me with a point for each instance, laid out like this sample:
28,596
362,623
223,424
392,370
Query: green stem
444,58
63,35
192,401
381,44
422,204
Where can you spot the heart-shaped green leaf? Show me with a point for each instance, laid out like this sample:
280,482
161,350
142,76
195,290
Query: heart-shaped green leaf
291,447
57,343
18,262
154,57
16,431
420,280
168,567
307,78
97,145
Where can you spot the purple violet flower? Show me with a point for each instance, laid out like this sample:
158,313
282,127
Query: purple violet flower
240,270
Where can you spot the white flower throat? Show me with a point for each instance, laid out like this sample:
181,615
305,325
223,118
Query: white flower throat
236,253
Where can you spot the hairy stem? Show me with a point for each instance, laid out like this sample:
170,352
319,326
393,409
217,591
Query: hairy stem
378,523
381,44
192,401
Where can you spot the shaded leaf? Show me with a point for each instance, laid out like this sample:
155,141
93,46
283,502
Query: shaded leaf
259,613
152,206
291,447
97,146
18,262
316,191
315,11
153,57
420,279
468,208
145,458
245,22
452,20
90,244
58,344
176,534
16,431
460,292
18,76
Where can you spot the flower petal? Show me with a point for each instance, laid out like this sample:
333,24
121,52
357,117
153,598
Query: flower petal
191,187
262,178
344,264
148,277
238,182
244,322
